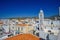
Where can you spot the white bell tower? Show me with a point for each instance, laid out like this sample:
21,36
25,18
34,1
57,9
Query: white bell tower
41,19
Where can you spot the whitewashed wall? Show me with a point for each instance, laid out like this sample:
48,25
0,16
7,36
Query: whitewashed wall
56,23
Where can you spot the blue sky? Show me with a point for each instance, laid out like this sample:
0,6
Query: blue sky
28,8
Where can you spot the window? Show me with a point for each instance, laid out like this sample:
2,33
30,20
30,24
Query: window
13,27
16,22
21,28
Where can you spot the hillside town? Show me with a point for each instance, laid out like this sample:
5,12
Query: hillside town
41,27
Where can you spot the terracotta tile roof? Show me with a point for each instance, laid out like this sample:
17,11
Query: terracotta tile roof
23,37
22,25
1,22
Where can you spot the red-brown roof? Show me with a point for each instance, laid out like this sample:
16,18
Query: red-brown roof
1,22
22,25
23,37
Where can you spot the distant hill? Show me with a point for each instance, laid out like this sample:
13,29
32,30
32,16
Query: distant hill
53,17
